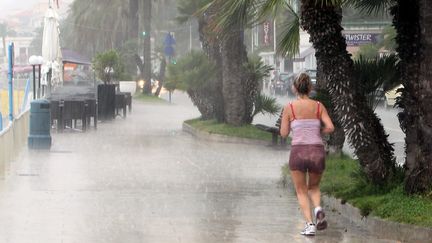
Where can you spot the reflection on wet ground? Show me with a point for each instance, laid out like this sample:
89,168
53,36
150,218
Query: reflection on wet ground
143,180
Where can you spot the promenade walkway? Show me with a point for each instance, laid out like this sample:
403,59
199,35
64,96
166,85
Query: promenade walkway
144,180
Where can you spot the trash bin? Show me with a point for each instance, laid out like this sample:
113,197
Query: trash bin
40,125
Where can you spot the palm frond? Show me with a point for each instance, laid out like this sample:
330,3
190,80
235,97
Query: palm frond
289,45
375,76
234,14
266,104
371,6
189,71
373,73
189,8
256,68
271,7
331,2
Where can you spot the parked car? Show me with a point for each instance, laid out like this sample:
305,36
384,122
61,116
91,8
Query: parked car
390,97
279,84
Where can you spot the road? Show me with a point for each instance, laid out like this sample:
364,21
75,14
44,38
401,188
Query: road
142,179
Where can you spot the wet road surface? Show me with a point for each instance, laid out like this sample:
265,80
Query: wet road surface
143,180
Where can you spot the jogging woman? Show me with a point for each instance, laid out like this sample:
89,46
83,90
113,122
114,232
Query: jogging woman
307,119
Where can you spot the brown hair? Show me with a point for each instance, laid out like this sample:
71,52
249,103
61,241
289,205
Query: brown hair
303,84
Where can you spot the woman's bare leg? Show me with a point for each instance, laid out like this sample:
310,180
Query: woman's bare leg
314,190
299,180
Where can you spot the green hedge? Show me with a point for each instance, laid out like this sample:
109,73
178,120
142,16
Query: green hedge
246,131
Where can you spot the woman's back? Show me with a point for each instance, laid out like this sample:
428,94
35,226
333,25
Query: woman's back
305,109
306,122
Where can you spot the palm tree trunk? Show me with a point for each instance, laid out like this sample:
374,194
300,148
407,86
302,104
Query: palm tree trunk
200,98
413,24
161,77
364,129
422,174
333,142
133,19
211,46
234,56
147,16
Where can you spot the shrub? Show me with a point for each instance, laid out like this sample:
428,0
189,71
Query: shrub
108,66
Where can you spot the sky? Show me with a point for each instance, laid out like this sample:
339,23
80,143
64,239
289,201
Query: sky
6,5
10,7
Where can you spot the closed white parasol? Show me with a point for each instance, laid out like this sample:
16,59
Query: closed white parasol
51,52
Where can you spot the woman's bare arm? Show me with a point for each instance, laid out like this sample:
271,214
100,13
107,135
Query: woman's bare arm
285,123
328,124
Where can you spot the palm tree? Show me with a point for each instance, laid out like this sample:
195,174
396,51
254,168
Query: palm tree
419,174
211,44
414,48
366,133
189,9
256,71
93,26
322,20
412,25
147,70
188,75
234,56
236,89
133,19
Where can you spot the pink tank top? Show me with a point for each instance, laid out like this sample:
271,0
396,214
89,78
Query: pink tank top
306,131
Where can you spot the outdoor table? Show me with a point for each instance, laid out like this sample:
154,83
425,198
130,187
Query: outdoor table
72,103
71,110
74,110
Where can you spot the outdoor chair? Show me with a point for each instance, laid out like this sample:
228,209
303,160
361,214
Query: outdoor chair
120,103
74,110
56,113
91,111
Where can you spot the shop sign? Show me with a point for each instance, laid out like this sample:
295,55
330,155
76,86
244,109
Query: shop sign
356,39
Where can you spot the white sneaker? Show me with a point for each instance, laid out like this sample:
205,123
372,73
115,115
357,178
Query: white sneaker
309,230
321,223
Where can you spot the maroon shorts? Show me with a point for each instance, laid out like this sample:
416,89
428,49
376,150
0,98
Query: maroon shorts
307,158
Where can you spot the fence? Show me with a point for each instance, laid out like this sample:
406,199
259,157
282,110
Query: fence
12,139
13,135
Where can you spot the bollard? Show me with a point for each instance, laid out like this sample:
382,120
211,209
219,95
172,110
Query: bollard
40,125
11,56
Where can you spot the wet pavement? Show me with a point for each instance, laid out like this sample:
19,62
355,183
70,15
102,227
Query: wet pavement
144,180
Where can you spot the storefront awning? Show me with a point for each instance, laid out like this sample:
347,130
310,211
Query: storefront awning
70,56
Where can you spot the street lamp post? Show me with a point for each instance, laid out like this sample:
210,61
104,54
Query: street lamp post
39,77
36,61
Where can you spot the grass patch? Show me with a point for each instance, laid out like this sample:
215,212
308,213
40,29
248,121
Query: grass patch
246,131
343,180
149,98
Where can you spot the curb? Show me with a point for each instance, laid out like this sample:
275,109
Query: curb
221,138
383,228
